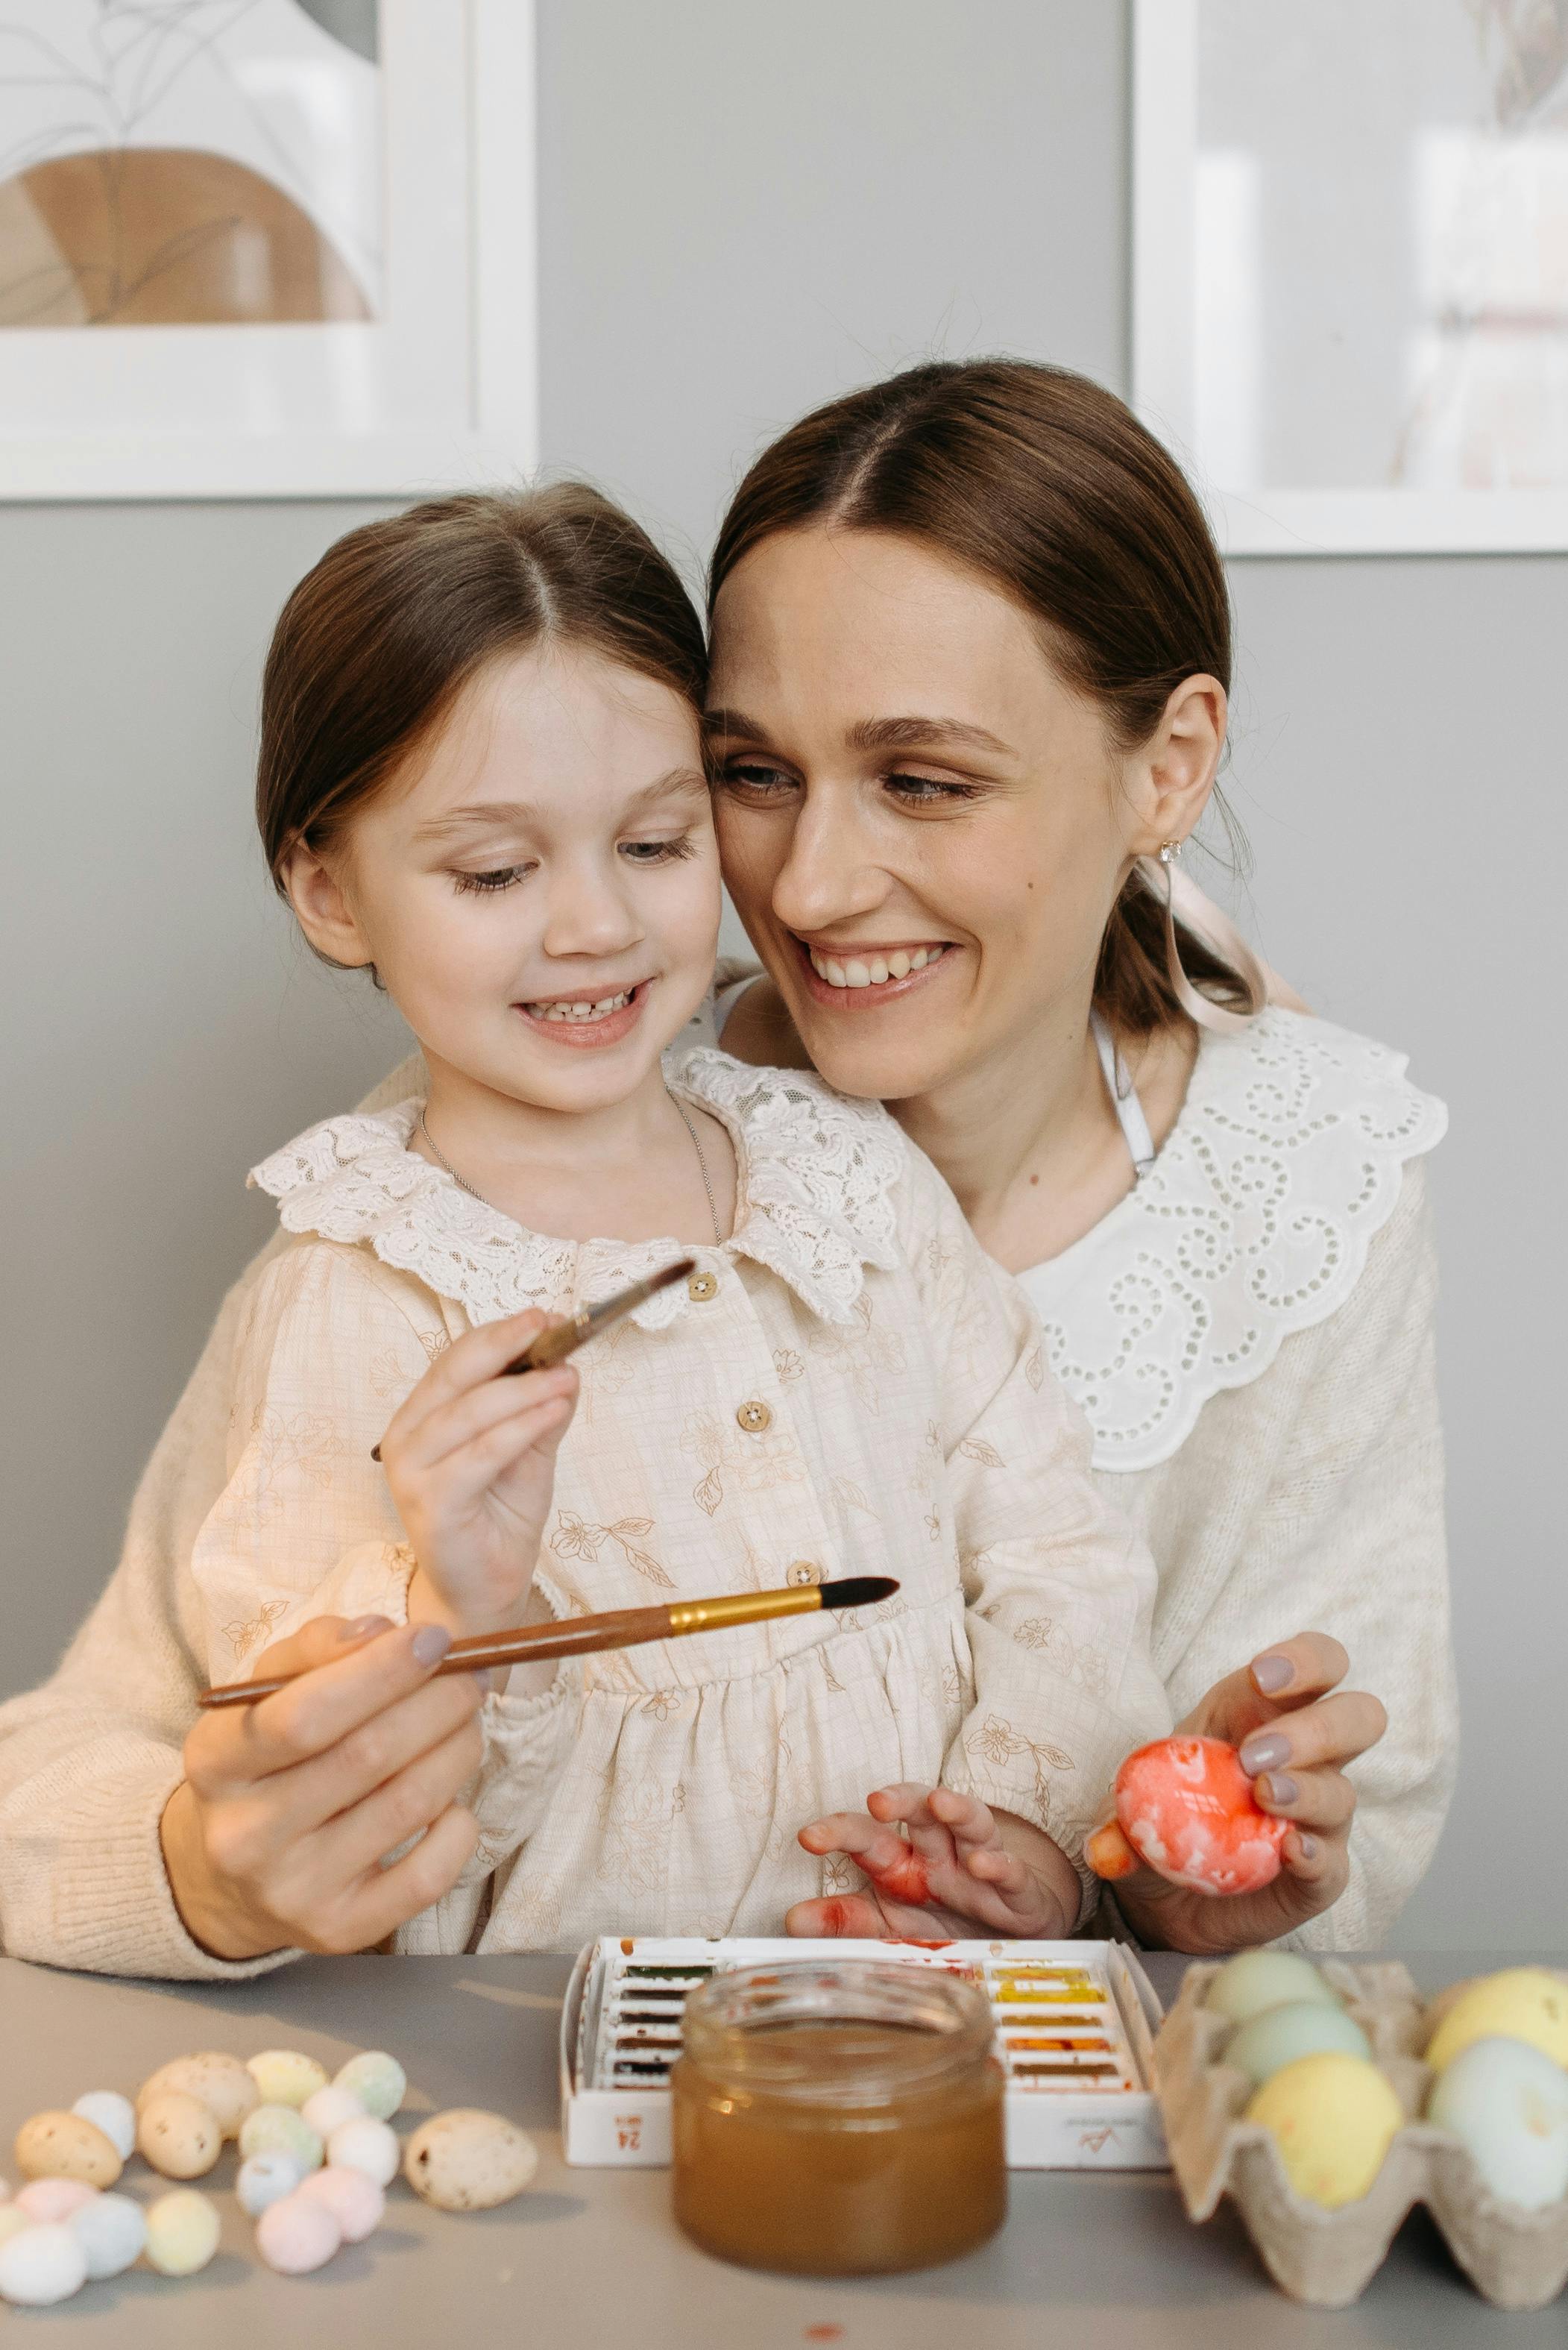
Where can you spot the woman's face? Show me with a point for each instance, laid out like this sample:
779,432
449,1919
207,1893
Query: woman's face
922,827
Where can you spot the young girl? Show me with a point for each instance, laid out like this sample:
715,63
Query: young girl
480,779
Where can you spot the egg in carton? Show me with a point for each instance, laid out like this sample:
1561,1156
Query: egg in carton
1517,2259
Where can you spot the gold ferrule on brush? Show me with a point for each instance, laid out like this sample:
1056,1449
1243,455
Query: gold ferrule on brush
743,1608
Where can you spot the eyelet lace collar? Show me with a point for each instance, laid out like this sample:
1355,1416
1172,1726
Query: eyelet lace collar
1253,1222
816,1172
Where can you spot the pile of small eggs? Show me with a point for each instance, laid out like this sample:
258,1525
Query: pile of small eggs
1497,2052
316,2156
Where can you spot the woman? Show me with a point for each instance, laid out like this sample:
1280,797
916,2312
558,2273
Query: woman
970,652
1282,1454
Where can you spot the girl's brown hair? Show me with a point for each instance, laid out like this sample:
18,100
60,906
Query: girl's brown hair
1046,485
375,644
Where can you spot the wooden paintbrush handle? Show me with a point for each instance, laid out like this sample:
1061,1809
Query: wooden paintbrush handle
623,1628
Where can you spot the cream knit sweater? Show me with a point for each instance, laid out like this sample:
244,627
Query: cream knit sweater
1308,1490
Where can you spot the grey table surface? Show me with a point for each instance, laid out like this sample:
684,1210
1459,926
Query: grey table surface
592,2257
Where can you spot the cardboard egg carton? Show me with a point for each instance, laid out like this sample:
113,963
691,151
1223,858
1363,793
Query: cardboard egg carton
1518,2260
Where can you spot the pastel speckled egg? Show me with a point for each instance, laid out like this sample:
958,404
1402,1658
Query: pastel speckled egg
1187,1809
1267,2042
1507,2102
67,2146
40,2266
1255,1980
215,2079
281,2129
47,2201
1333,2119
177,2134
111,2230
113,2114
331,2107
466,2160
297,2235
1520,2003
285,2078
369,2146
377,2080
13,2221
181,2232
354,2200
265,2178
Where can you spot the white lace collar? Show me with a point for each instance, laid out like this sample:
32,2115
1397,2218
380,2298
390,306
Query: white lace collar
815,1176
1253,1222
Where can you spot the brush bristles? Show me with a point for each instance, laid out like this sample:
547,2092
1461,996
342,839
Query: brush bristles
857,1590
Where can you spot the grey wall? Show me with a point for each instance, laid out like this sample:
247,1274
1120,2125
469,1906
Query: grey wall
744,209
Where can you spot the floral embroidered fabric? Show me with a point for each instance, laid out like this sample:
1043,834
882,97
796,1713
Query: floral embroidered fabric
816,1173
1253,1222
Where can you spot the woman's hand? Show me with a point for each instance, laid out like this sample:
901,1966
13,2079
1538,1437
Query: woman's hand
962,1866
471,1459
1296,1739
276,1835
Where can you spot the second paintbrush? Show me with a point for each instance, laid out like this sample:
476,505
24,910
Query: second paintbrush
621,1627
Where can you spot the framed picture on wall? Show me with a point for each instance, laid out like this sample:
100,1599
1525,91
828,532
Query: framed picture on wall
1350,267
265,248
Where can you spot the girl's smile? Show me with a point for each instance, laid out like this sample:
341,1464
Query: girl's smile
585,1021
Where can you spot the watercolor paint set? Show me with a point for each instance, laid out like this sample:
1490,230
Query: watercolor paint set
1074,2036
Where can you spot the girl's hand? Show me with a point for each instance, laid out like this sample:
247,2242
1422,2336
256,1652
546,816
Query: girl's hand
471,1459
1296,1739
277,1836
962,1865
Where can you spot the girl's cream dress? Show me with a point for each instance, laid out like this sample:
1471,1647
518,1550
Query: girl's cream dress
847,1386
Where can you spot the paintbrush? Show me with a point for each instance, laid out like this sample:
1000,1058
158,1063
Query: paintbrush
564,1339
623,1627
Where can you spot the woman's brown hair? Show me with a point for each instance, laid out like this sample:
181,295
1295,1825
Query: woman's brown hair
1046,485
376,643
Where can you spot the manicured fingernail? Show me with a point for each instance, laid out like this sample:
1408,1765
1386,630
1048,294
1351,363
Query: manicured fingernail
1307,1845
1271,1674
363,1626
1260,1755
430,1643
1283,1788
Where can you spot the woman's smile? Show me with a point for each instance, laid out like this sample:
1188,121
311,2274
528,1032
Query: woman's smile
851,978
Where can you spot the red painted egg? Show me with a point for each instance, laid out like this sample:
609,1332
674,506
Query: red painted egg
1186,1807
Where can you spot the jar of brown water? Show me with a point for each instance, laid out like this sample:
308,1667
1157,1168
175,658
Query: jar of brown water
839,2118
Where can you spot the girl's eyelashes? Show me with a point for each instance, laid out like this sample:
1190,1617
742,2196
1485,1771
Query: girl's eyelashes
637,852
483,883
660,852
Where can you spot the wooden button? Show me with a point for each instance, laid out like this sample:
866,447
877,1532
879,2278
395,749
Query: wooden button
754,1416
803,1570
702,1286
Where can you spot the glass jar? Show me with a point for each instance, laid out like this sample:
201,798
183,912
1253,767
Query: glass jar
838,2119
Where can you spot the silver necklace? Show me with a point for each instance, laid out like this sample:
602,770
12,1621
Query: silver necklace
463,1183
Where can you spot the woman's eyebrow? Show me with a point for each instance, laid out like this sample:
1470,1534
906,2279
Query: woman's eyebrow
909,734
870,733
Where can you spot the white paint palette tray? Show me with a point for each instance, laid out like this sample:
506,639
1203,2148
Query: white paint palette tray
1074,2025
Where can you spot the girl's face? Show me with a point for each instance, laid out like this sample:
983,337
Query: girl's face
539,891
923,829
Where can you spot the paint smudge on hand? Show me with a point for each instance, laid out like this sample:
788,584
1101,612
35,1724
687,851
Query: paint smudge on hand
905,1878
